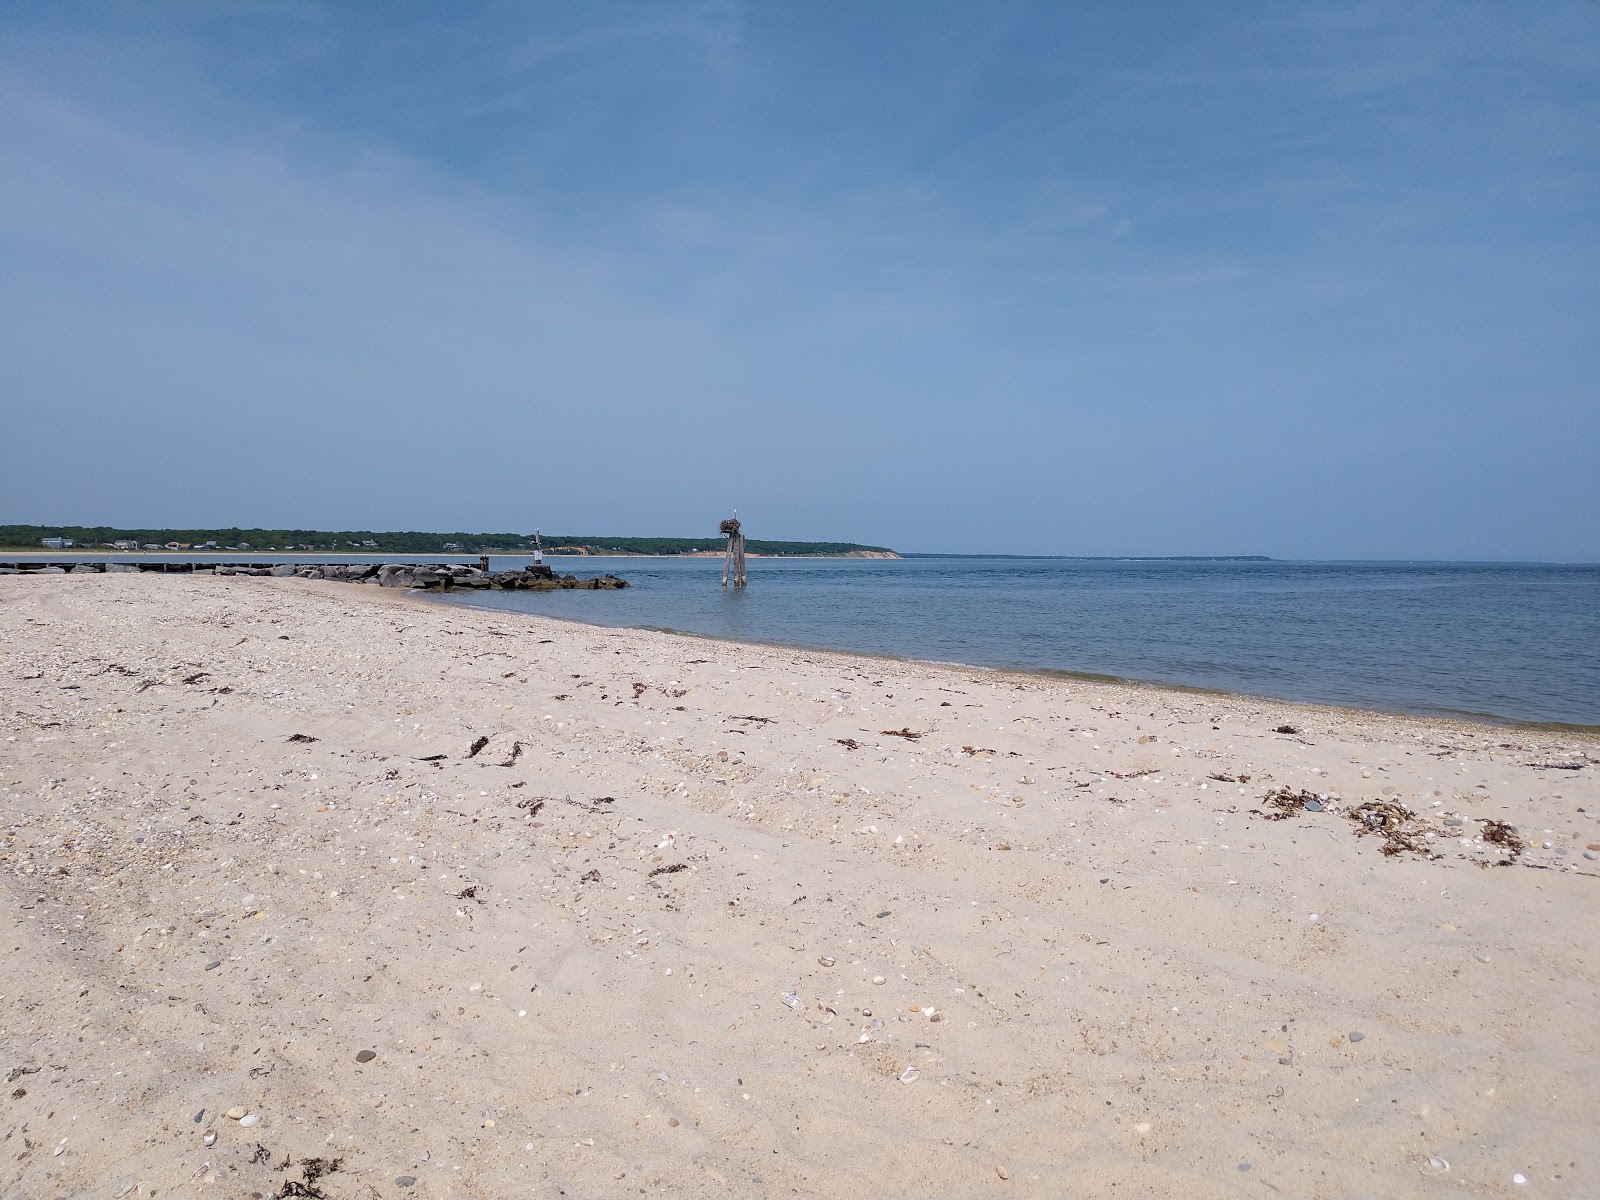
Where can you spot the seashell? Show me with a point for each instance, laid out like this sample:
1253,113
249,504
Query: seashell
790,999
879,979
1437,1163
826,960
209,1138
250,1119
909,1074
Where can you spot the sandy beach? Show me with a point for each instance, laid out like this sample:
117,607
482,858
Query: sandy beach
447,902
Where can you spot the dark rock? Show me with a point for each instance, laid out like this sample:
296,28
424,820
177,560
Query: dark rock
366,1056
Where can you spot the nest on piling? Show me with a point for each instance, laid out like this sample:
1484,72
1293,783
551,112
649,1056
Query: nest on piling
729,527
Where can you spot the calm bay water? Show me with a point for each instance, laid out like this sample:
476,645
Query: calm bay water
1506,641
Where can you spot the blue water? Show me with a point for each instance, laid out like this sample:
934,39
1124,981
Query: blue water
1503,641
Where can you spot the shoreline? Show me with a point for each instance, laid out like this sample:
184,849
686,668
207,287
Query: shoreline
517,905
1473,719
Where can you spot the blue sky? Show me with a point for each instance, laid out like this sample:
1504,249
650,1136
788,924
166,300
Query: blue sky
1308,280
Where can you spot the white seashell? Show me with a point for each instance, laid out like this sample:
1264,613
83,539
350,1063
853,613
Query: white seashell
790,999
1437,1163
250,1119
827,960
210,1138
879,979
909,1074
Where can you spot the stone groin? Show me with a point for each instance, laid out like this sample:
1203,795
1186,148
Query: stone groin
425,576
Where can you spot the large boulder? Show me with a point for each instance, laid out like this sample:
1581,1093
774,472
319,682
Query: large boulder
281,570
395,575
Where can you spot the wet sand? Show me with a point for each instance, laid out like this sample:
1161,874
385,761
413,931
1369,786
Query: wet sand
706,919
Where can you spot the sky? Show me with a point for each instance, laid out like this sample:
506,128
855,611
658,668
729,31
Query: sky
1308,280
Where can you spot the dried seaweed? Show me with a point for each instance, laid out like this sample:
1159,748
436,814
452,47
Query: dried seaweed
516,753
300,737
848,743
905,732
1401,830
1286,729
476,746
1503,835
1285,804
672,869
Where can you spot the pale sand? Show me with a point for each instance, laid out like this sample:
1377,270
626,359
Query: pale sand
1134,996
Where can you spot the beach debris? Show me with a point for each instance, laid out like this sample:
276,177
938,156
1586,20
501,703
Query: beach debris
301,737
972,751
1555,766
1285,804
476,746
1224,777
848,743
366,1056
1401,830
669,869
311,1171
590,876
532,805
516,753
901,733
470,892
754,720
433,758
1500,834
1289,729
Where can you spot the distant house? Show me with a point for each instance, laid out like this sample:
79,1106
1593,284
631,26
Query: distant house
369,544
452,547
206,546
57,543
124,544
151,546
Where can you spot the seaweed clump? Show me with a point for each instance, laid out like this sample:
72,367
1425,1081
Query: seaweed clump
1402,832
1504,836
1282,804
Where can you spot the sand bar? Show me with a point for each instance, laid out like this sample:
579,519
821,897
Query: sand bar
706,919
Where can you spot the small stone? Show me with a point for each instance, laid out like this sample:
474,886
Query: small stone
58,1150
1244,1166
1519,1178
1313,806
1591,854
250,1119
879,979
366,1056
672,1121
883,914
1001,1171
1454,821
235,1113
213,965
199,1116
826,960
405,1181
1356,1035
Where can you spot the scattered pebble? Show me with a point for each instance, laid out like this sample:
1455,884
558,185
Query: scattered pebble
235,1113
213,964
1356,1035
366,1056
1519,1179
1244,1166
879,979
405,1181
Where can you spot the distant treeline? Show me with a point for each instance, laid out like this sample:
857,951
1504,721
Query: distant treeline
105,537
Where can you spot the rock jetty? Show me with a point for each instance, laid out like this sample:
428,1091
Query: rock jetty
536,577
